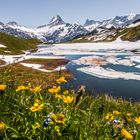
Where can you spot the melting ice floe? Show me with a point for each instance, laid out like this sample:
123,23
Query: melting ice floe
97,60
109,73
95,66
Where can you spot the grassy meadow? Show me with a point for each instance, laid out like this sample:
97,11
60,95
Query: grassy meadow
36,105
33,112
16,45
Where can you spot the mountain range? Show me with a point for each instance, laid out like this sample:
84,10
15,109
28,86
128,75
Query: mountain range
58,30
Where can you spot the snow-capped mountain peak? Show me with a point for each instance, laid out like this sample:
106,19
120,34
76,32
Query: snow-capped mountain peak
57,20
59,31
116,22
1,23
131,16
13,23
89,22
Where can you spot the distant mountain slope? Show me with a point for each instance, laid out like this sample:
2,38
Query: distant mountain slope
15,45
116,22
57,30
131,34
105,35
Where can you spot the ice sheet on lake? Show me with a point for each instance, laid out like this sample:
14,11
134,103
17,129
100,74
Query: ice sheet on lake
104,48
109,73
97,60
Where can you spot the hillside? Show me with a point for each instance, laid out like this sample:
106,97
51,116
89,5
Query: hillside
131,34
107,35
16,45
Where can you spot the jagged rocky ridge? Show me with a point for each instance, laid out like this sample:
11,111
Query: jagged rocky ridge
59,31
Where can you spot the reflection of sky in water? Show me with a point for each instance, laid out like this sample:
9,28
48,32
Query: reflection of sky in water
122,68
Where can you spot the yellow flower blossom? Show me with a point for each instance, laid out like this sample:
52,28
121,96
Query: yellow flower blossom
61,80
37,89
2,126
109,117
37,101
2,87
66,92
68,99
36,125
58,118
129,114
21,88
137,120
126,134
116,112
36,107
53,116
58,96
54,89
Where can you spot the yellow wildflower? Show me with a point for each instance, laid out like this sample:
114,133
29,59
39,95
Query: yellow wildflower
2,87
57,129
68,99
2,126
116,112
109,117
37,89
58,96
129,114
20,88
66,92
53,116
36,125
126,134
36,107
37,101
54,89
58,118
61,80
137,120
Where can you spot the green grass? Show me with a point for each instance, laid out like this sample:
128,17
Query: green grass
16,45
22,74
84,118
132,34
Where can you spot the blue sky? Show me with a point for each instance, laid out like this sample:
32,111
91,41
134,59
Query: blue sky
38,12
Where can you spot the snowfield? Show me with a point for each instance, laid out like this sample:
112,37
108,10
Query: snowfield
2,46
107,48
39,67
11,59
